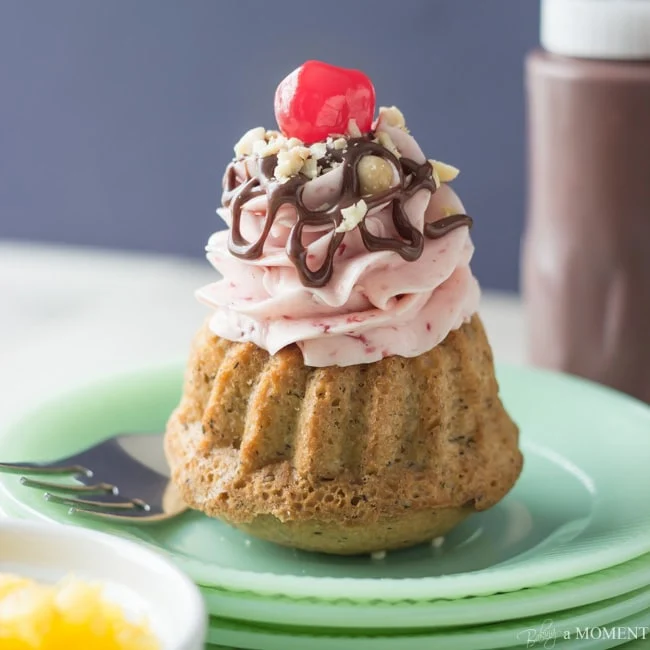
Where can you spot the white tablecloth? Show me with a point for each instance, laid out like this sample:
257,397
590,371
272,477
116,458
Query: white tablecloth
72,315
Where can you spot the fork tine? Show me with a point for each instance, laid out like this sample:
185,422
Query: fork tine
89,503
98,488
133,463
123,517
35,468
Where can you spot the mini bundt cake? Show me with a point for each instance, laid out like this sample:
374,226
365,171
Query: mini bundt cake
343,460
341,397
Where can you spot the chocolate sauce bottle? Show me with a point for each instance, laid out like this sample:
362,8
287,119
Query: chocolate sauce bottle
586,248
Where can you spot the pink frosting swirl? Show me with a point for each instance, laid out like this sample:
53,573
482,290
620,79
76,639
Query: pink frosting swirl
375,305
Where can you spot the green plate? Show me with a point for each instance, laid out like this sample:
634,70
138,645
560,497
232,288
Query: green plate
632,611
595,644
580,506
254,608
566,594
639,644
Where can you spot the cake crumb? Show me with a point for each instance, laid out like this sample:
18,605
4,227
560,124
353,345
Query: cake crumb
378,555
437,542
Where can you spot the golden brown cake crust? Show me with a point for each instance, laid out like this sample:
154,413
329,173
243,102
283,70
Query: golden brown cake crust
302,455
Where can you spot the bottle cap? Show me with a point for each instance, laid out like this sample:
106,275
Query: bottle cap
597,29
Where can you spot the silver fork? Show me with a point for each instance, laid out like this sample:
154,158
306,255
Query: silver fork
123,478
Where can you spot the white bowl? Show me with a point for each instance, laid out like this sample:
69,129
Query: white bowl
141,581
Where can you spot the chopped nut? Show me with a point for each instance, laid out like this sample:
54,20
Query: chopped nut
245,145
264,149
290,162
392,116
386,141
353,129
259,146
340,143
294,142
310,168
375,174
446,173
352,216
318,150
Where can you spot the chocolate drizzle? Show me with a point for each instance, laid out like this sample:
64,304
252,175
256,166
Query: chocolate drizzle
413,177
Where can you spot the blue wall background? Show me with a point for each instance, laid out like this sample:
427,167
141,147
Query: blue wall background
118,117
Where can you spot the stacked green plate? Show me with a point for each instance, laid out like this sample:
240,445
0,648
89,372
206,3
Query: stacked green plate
565,557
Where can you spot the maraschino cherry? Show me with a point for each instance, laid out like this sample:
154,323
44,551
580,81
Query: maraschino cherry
317,100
